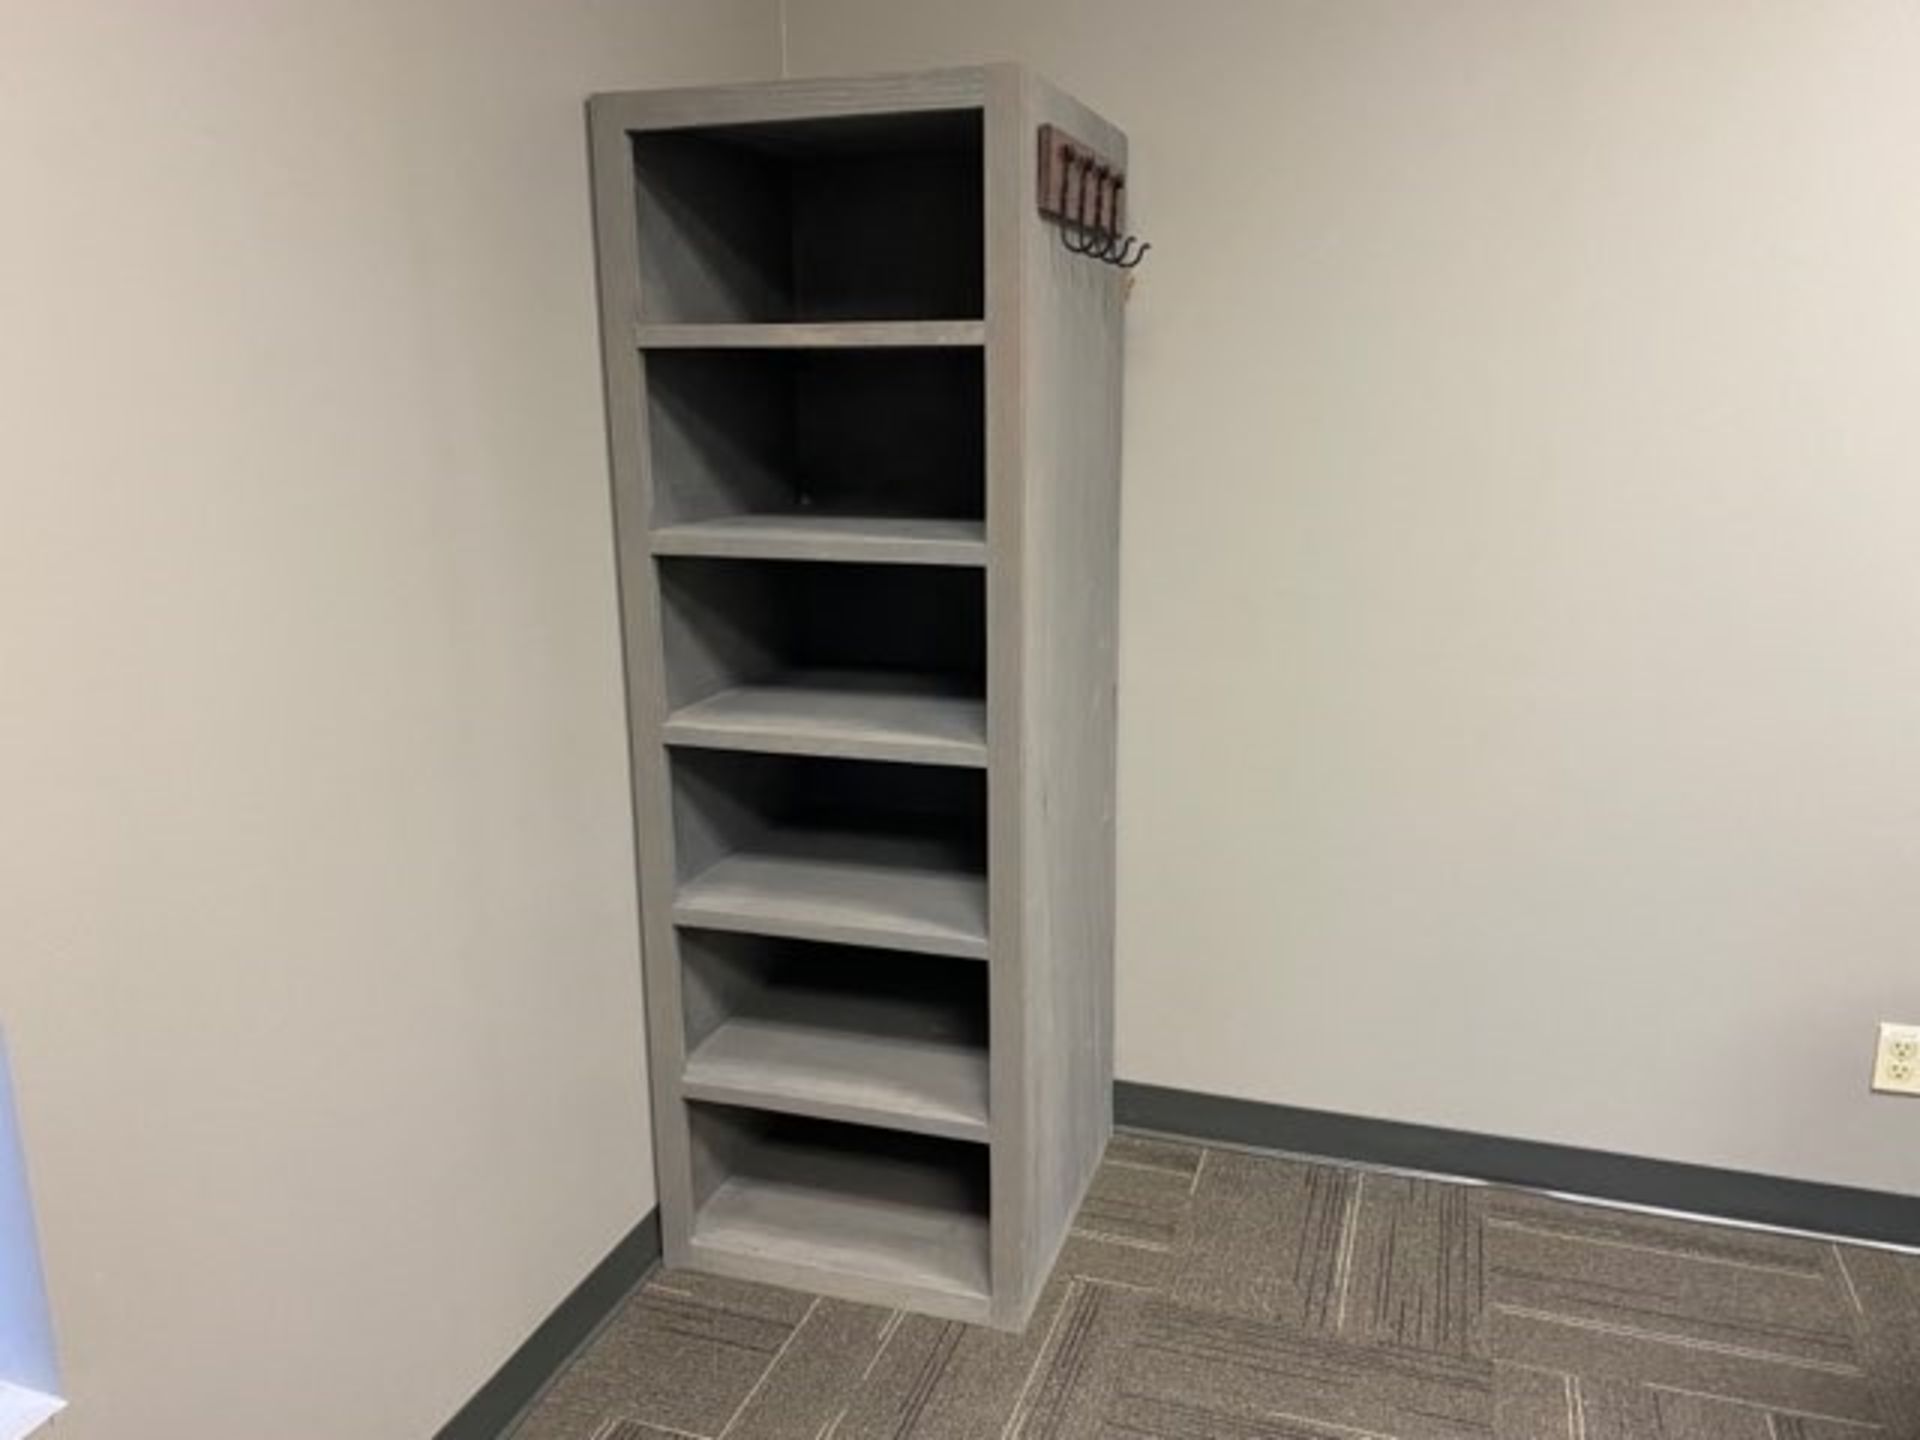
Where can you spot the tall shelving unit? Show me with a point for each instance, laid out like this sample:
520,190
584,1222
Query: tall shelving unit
864,415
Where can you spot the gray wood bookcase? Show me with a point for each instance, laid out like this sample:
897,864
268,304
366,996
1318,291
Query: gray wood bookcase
864,413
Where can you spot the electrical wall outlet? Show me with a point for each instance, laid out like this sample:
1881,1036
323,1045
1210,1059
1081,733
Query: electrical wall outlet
1896,1065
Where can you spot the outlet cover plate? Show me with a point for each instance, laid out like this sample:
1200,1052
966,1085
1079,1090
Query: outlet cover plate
1896,1063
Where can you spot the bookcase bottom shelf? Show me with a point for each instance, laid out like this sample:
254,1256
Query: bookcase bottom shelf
843,1210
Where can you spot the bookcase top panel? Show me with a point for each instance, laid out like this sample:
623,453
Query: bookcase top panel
959,88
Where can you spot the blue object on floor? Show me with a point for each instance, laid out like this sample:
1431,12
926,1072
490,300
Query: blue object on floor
29,1375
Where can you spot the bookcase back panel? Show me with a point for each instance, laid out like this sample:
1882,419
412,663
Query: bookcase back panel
826,811
848,989
855,432
732,622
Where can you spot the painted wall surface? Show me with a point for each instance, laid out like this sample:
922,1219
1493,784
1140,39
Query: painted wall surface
318,948
1521,658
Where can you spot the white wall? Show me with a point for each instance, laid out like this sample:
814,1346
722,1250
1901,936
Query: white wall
317,938
1521,674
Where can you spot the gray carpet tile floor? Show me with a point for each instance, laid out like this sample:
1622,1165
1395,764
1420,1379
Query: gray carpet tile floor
1210,1294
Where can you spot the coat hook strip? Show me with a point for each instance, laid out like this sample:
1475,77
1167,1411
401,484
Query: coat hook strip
1085,195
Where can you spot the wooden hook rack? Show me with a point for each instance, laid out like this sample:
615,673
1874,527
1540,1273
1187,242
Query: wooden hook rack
1078,185
1085,194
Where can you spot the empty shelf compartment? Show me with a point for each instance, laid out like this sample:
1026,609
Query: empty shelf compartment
849,852
871,1036
855,661
820,436
816,1204
856,218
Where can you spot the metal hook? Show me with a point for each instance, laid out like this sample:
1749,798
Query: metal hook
1089,214
1088,240
1083,207
1123,252
1072,196
1110,212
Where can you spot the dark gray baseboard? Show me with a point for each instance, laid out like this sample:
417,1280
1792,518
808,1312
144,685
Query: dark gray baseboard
1698,1189
499,1402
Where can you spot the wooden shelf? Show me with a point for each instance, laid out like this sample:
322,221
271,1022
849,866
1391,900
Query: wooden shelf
895,1061
825,1208
850,714
906,894
857,335
849,538
810,1235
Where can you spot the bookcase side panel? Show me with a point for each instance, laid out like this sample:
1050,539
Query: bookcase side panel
617,247
1005,171
1072,329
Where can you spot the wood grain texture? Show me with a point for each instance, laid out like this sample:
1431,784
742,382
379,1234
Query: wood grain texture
616,245
868,716
958,88
844,335
1016,1286
845,889
1054,382
872,1036
792,1219
826,1208
848,538
891,1061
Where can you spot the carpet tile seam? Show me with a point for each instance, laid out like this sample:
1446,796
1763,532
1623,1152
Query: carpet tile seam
1570,1289
1682,1342
1764,1406
1665,1252
772,1365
